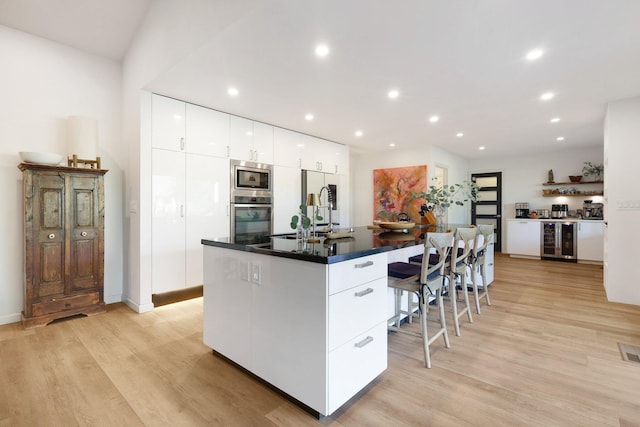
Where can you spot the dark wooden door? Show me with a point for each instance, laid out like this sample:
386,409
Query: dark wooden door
488,208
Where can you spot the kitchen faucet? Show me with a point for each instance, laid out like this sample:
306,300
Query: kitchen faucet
330,197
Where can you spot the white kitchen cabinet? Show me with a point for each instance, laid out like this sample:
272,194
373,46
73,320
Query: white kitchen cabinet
168,123
250,141
286,197
323,156
324,323
591,241
207,131
190,197
286,148
523,237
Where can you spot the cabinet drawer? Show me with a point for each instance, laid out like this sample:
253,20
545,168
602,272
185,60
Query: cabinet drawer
356,310
353,272
65,303
355,364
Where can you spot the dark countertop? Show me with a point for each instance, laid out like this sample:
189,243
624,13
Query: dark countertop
364,242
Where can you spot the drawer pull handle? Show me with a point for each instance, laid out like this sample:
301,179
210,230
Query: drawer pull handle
364,342
364,264
83,234
52,236
365,292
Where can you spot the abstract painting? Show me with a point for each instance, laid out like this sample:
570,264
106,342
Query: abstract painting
392,190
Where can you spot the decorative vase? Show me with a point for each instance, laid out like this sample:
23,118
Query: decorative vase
440,213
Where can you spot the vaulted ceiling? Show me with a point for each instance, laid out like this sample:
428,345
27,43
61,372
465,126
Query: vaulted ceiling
462,61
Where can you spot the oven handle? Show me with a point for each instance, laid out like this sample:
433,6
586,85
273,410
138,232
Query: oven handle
251,205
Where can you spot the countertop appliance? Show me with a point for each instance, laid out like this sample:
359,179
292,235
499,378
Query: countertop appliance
592,210
251,209
543,213
522,210
558,240
559,211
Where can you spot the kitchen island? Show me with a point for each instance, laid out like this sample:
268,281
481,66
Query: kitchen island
310,320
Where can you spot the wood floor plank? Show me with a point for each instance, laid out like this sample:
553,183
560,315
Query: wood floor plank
544,353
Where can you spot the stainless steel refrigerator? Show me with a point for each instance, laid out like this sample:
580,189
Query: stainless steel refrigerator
313,182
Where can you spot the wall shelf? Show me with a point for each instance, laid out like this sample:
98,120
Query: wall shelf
573,183
572,195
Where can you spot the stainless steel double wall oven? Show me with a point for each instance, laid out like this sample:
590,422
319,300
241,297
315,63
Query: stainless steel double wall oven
251,208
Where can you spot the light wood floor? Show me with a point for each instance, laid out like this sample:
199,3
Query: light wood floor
544,354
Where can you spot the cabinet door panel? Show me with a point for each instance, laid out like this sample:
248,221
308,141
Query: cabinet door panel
84,258
207,202
49,256
207,131
286,148
286,197
263,143
167,222
167,123
241,139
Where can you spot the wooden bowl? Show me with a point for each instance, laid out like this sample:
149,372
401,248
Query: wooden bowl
399,225
575,178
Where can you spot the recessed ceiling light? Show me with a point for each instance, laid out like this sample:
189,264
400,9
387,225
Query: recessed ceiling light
555,120
322,50
392,145
177,116
309,116
459,134
481,148
547,96
233,91
249,133
434,119
359,133
393,94
560,138
534,54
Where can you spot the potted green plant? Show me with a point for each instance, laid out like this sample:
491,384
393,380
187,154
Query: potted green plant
301,223
594,170
439,198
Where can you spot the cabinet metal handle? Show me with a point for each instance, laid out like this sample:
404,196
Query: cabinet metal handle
181,211
365,292
83,234
182,143
364,342
364,264
228,151
52,236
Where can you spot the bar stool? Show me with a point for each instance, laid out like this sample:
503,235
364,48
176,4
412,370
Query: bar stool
457,269
477,264
424,281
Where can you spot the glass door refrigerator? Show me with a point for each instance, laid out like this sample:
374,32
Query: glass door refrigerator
558,241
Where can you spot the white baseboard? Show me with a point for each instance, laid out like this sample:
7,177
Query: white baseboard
138,308
10,318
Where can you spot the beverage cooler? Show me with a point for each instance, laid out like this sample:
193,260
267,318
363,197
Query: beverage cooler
558,240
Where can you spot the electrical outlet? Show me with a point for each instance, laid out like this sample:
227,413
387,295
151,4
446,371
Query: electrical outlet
256,273
628,205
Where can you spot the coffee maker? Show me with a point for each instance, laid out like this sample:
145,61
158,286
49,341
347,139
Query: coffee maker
522,210
559,211
592,210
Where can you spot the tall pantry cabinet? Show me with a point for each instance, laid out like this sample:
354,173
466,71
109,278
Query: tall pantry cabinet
64,242
190,189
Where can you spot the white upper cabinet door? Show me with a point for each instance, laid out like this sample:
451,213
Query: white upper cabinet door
263,143
340,154
241,139
167,123
207,131
207,209
286,148
310,153
167,221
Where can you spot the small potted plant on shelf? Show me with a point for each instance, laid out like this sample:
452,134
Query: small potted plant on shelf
594,170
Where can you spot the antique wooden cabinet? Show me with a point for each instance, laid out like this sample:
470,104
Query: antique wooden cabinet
64,242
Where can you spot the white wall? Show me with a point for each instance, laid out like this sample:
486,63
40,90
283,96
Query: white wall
42,83
363,165
523,176
622,151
